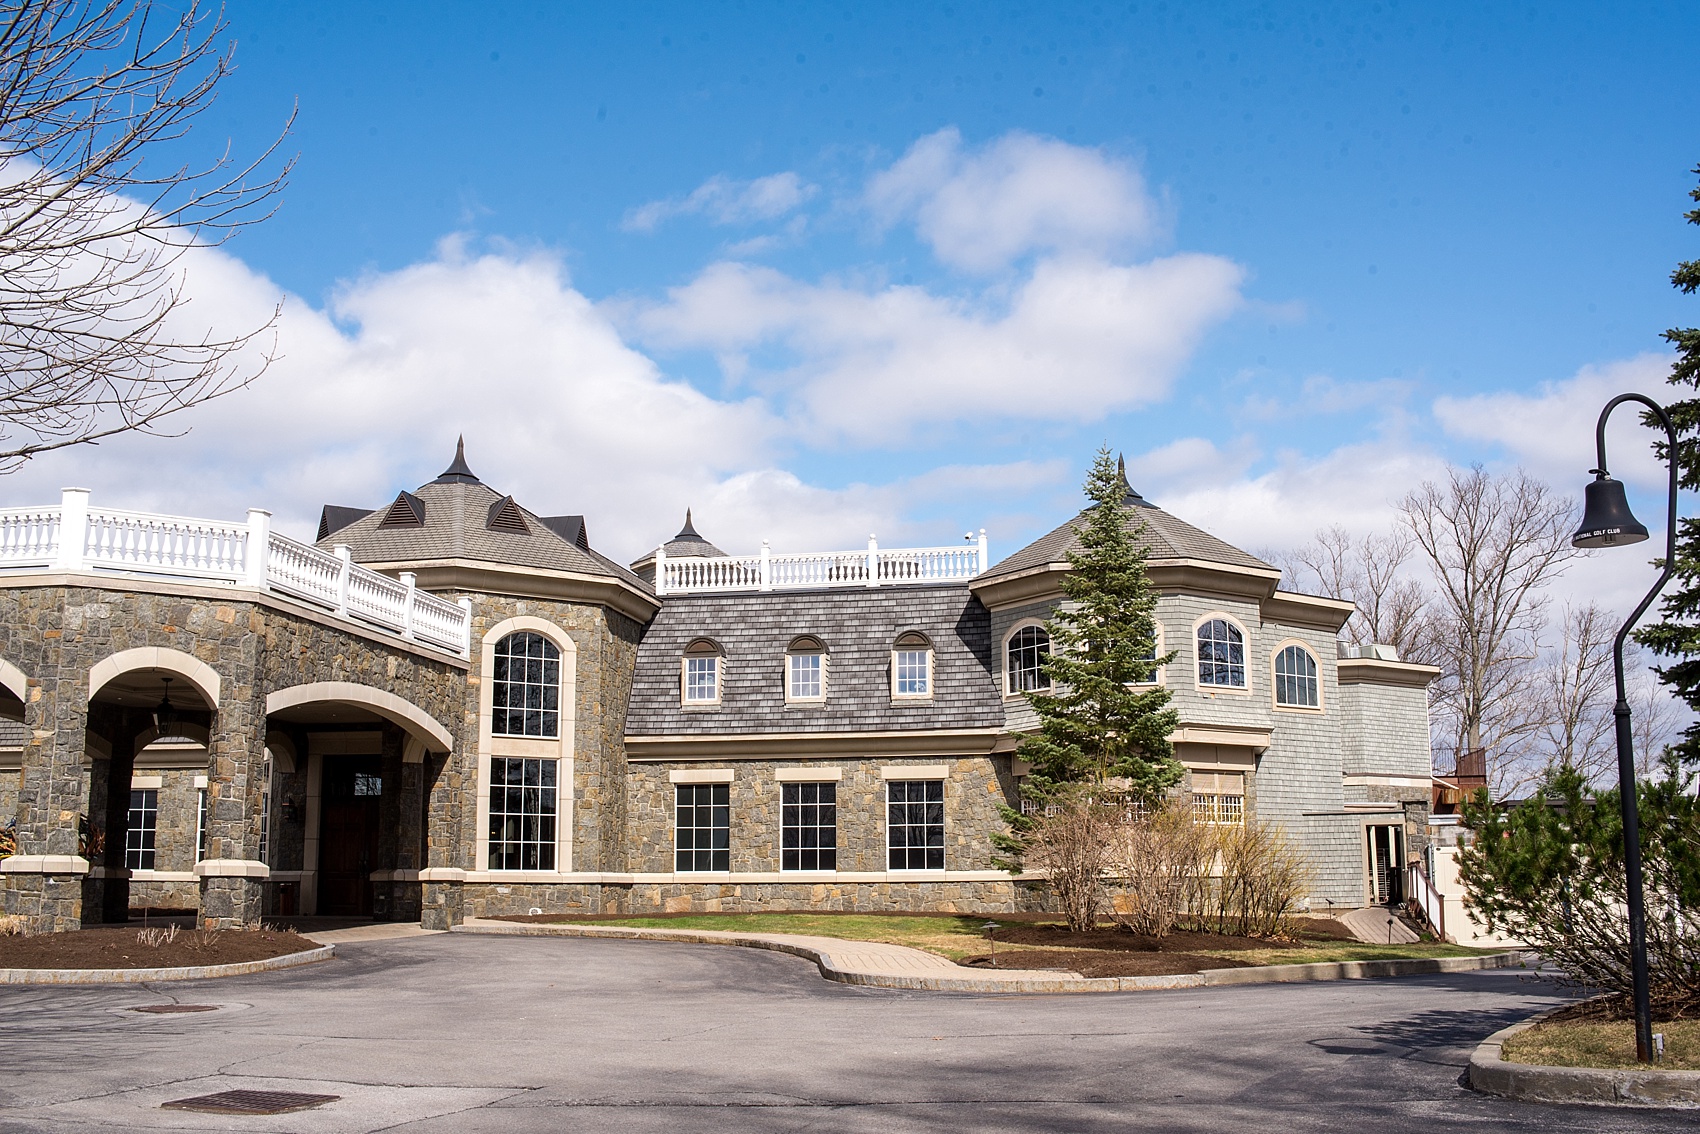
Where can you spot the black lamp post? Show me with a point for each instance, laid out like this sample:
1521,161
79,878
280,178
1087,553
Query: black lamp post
1607,522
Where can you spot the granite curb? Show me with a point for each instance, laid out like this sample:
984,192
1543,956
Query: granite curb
1492,1074
982,980
181,972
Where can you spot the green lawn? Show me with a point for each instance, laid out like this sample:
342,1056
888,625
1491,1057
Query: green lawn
959,937
1585,1043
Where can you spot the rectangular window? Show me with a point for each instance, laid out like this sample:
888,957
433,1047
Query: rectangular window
702,827
809,827
201,827
805,680
266,813
144,823
1218,810
914,824
912,672
702,684
522,813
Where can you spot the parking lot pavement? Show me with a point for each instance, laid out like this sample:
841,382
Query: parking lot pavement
468,1034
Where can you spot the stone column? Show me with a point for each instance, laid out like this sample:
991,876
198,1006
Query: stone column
232,875
442,880
107,895
405,894
44,880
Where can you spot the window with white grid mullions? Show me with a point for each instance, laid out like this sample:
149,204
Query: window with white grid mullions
702,828
522,813
1295,678
1028,649
702,679
525,687
139,835
201,827
808,826
1221,654
914,824
805,673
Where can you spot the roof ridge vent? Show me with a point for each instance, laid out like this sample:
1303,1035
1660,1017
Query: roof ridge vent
505,516
408,511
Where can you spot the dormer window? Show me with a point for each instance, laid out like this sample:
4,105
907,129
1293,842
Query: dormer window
805,670
1029,649
912,667
701,673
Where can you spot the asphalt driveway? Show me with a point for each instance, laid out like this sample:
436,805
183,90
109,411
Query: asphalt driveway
471,1034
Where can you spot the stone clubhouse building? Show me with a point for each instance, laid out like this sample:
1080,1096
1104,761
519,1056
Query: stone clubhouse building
452,706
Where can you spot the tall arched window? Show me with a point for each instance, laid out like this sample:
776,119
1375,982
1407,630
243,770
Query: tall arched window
1295,679
1027,651
1221,654
525,687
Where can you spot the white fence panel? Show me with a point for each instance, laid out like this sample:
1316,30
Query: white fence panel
29,537
171,545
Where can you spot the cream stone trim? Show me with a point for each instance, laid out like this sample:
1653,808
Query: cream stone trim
44,864
164,876
396,710
806,776
442,874
201,782
231,868
812,745
1245,652
915,772
1223,736
190,668
284,757
1388,781
14,680
540,877
1374,671
629,598
560,748
700,776
149,737
1321,694
147,783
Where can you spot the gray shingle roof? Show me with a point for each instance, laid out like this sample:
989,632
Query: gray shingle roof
858,628
1164,537
12,733
456,526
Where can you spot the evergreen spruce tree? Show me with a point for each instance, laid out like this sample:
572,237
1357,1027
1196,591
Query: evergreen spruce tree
1678,636
1103,719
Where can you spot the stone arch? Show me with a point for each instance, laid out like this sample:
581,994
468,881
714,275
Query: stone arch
285,758
13,681
397,710
200,734
196,672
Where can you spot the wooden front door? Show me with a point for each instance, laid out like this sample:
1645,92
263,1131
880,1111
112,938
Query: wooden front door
348,834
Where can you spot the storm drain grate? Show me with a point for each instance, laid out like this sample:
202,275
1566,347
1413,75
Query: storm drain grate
172,1009
250,1102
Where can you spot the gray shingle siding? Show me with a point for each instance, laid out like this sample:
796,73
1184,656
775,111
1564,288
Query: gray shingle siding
858,628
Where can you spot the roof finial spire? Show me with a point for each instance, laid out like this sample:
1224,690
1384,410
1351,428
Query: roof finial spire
1130,496
457,472
689,531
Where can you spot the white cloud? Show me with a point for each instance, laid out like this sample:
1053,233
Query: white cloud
725,201
981,209
1075,340
1551,432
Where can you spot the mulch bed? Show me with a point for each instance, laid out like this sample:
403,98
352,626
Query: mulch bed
118,947
1120,941
1101,962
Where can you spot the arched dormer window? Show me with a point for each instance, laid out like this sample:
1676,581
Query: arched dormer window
805,670
1221,654
1024,660
1296,686
525,687
912,667
700,671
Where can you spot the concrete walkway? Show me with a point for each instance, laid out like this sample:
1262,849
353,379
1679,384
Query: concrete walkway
374,931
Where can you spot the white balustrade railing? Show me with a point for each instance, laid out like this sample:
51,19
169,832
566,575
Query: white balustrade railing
809,570
71,537
1428,899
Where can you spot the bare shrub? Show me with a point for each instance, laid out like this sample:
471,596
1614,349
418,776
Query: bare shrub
1162,862
1263,879
1070,845
11,925
156,936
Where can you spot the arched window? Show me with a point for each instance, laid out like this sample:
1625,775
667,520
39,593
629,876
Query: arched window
912,666
1028,649
1295,679
1221,654
805,670
700,672
525,687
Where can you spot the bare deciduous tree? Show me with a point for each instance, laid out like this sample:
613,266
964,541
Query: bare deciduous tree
1372,573
95,333
1574,711
1492,544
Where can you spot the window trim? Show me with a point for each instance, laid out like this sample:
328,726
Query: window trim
679,788
944,837
898,646
1008,638
1275,702
560,748
691,653
1245,653
806,645
831,782
143,849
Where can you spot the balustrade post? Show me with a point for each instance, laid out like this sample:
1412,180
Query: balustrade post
345,557
981,567
411,582
661,570
766,566
73,528
466,627
873,561
259,547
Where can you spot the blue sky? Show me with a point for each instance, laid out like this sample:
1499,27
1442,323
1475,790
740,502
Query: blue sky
1289,258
